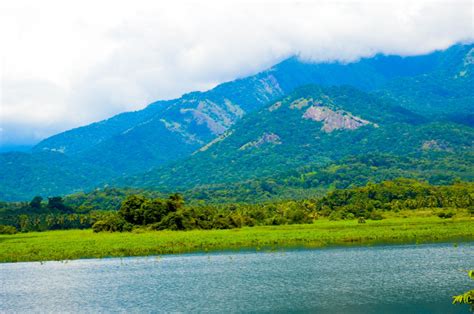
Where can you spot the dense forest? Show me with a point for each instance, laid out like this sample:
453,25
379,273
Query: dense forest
125,210
438,168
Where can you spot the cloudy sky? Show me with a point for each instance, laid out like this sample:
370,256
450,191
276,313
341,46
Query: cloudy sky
64,64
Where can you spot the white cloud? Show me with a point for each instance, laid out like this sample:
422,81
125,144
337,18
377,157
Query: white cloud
65,64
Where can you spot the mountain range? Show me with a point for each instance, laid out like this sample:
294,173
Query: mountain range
292,116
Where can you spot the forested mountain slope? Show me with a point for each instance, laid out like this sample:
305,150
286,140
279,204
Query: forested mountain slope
312,125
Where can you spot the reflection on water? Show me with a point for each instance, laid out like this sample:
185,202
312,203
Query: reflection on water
381,279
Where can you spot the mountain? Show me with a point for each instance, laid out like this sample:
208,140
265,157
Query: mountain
309,126
166,132
446,93
169,130
45,173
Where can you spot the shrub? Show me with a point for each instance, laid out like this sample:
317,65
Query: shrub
350,216
298,216
470,209
375,215
275,221
7,229
335,215
449,214
223,223
112,222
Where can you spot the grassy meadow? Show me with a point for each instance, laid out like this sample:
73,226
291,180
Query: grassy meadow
76,244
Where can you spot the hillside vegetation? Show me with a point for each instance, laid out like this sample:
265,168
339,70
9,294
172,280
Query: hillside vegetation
313,126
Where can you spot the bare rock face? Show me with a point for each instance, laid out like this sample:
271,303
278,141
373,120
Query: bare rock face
275,106
334,120
468,62
269,87
271,138
216,118
469,59
178,128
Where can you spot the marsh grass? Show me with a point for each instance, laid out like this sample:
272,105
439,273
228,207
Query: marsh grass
75,244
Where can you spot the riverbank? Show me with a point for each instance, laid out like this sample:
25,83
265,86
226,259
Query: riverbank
76,244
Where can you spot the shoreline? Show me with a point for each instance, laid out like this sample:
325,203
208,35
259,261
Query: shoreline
84,244
280,249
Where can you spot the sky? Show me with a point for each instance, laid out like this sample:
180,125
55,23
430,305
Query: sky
64,64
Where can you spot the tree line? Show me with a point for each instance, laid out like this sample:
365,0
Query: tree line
172,213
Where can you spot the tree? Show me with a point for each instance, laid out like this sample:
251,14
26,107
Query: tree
36,203
112,222
130,209
175,202
153,211
23,222
56,203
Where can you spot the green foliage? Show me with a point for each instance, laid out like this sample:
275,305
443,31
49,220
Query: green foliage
36,203
138,210
107,198
372,202
56,204
467,297
368,202
312,180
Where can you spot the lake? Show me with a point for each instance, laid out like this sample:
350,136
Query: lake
377,279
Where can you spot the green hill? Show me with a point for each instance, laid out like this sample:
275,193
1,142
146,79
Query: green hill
313,125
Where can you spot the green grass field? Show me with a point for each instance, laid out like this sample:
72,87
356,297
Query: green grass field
75,244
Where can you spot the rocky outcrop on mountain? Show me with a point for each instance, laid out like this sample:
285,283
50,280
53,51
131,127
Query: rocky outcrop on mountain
275,106
467,64
271,138
334,120
177,128
198,116
215,117
469,59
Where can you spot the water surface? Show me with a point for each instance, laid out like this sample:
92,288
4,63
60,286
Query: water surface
388,279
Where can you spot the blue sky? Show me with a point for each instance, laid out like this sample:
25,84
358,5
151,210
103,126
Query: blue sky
65,64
